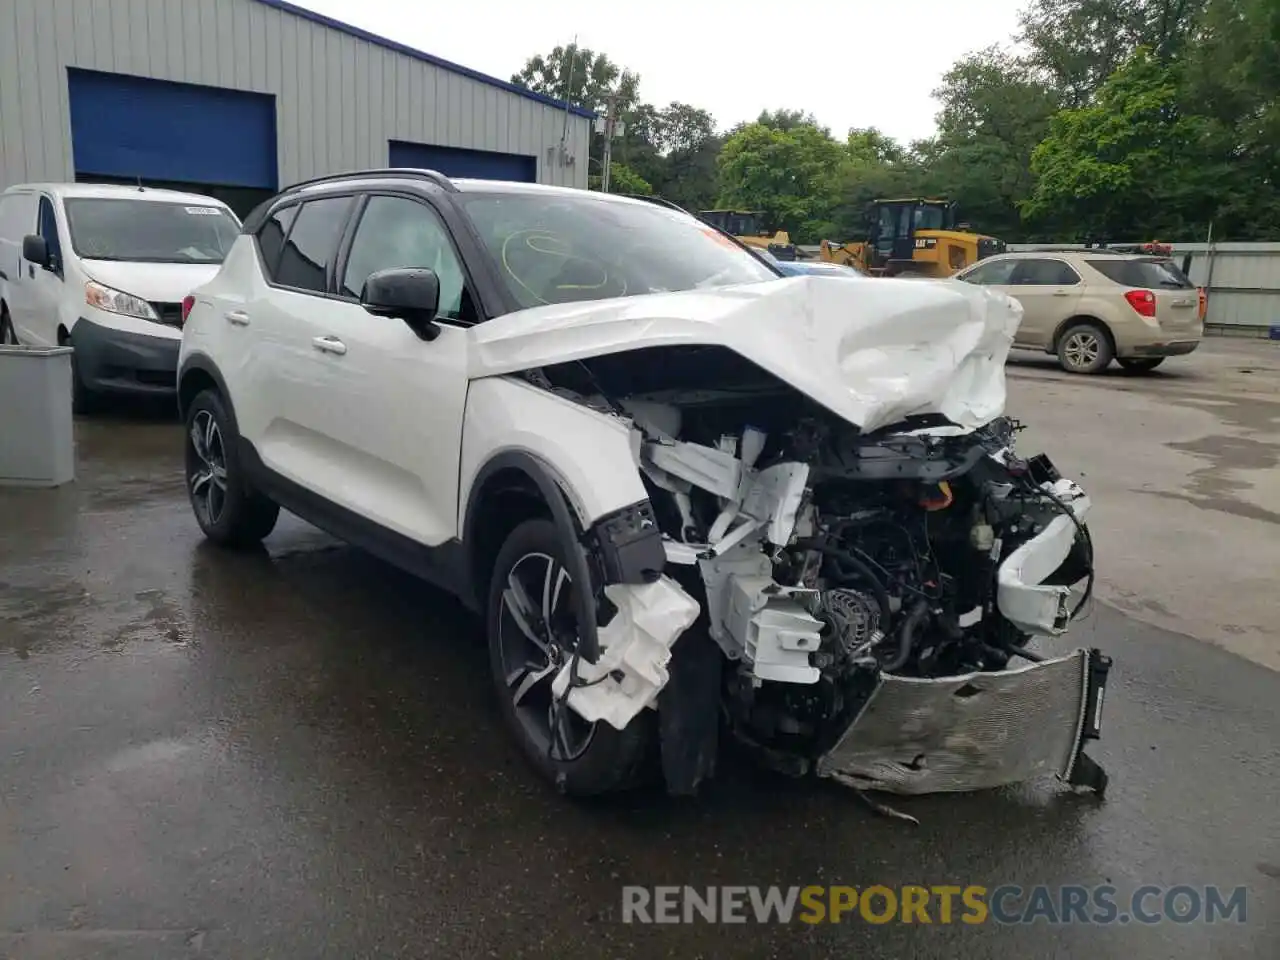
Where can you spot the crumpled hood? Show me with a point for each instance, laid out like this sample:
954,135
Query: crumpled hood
873,351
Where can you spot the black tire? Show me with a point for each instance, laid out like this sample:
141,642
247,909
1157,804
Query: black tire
231,513
595,758
1140,364
8,336
1085,348
83,400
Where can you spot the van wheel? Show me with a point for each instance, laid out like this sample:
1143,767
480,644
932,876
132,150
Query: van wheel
83,400
8,336
532,626
1140,364
228,509
1084,348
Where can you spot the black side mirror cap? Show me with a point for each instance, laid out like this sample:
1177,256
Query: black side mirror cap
35,249
411,294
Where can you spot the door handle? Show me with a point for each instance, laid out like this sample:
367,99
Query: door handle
329,345
1062,293
237,317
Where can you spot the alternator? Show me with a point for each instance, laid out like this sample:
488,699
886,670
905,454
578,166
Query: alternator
853,618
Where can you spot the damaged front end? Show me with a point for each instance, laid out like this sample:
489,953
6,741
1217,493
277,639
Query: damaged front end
847,602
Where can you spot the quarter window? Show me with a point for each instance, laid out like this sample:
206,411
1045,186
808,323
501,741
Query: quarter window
312,244
271,238
398,232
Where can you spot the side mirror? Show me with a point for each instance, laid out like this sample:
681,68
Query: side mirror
35,250
411,294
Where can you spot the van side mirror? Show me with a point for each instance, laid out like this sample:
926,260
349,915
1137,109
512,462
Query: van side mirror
36,250
411,294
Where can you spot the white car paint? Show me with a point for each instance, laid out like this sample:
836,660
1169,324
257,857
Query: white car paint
41,303
872,351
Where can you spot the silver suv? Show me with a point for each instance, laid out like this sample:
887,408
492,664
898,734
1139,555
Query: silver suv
1090,306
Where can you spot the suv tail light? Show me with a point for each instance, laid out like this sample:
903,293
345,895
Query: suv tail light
187,303
1144,301
1203,296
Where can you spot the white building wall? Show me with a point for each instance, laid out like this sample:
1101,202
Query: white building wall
339,98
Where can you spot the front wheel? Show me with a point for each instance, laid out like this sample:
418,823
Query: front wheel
229,510
1140,364
532,624
1084,348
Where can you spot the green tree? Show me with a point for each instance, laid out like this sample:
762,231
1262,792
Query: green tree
788,175
995,110
1130,163
622,179
1078,44
580,76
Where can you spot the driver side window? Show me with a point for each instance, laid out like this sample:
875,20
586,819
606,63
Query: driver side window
399,232
993,272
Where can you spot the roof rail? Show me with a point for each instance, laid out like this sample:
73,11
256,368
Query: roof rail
439,179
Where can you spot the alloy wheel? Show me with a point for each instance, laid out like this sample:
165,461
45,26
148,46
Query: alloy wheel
537,635
208,477
1082,349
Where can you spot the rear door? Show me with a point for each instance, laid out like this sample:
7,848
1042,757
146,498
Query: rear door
1049,290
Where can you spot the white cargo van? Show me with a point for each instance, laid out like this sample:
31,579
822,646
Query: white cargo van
106,269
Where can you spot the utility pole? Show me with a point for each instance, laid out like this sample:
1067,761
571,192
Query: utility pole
610,126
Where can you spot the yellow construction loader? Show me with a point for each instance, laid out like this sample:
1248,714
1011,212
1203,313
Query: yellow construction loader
747,227
913,237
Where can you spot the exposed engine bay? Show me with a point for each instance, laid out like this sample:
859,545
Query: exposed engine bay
873,594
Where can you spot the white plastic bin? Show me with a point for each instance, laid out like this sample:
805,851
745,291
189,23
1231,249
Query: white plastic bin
37,446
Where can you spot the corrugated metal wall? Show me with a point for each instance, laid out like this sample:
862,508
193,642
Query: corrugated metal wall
339,98
1243,281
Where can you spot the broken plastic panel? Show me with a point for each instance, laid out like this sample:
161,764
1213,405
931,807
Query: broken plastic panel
1025,600
635,647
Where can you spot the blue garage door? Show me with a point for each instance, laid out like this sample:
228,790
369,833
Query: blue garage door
456,162
131,127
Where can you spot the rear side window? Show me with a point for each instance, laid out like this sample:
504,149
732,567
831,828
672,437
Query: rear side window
312,244
271,238
1044,273
1142,273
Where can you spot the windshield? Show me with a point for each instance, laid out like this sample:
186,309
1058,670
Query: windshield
1142,273
561,248
150,231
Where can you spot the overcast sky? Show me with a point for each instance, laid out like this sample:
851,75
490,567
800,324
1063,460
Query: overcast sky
853,63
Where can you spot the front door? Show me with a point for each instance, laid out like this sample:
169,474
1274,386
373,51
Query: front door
387,404
1048,290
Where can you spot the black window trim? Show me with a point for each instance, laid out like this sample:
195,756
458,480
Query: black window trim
348,238
269,277
1058,260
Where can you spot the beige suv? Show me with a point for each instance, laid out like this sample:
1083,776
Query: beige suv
1090,306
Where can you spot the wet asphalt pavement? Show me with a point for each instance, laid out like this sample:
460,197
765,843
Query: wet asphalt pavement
295,754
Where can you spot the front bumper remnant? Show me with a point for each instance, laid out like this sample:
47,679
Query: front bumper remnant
975,732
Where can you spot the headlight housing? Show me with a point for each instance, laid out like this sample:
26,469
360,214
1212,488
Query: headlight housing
116,301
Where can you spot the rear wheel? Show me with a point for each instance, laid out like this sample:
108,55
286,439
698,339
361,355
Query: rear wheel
1084,348
228,509
8,337
1140,364
533,632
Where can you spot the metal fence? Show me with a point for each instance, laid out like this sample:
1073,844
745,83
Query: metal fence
1242,280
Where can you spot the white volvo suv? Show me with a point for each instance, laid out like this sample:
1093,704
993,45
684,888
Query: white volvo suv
689,496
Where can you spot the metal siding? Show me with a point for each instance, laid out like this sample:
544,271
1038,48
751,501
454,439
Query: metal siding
339,99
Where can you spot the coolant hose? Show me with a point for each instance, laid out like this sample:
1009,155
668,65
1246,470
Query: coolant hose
907,637
877,585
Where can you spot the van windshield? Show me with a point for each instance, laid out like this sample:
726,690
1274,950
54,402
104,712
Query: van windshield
568,247
149,231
